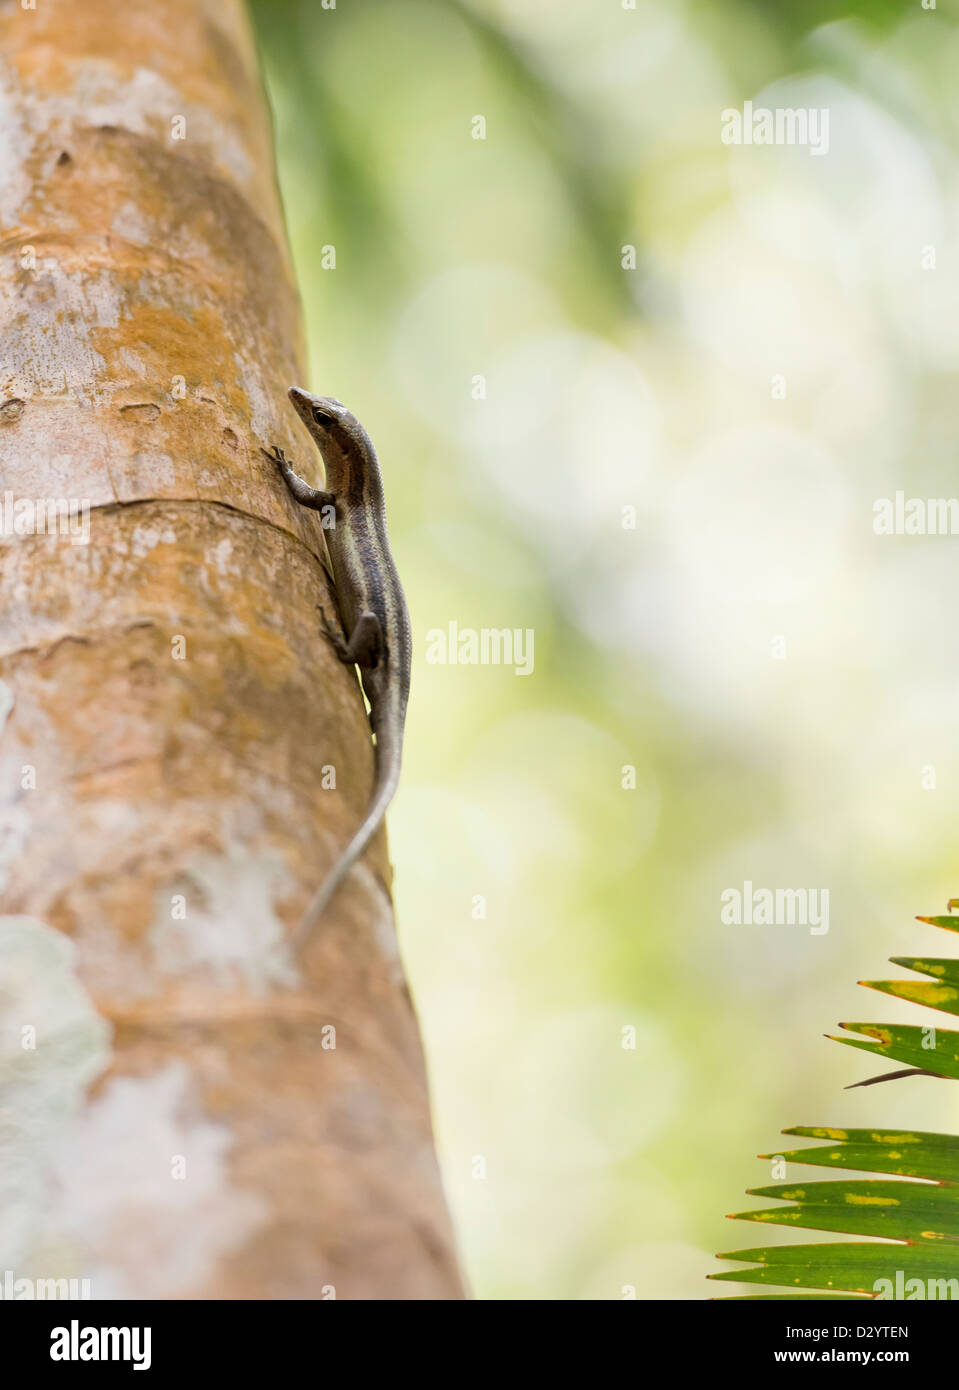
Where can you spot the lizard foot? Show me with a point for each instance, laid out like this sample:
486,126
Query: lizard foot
276,455
334,636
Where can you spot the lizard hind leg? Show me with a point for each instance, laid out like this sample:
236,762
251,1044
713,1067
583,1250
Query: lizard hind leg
367,646
334,636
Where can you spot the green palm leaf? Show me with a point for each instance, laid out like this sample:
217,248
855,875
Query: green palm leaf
911,1218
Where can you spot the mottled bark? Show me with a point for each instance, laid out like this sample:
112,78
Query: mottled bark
173,1119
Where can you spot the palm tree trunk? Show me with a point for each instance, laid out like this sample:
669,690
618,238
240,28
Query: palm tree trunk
188,1109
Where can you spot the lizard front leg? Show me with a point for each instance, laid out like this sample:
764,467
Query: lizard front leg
313,497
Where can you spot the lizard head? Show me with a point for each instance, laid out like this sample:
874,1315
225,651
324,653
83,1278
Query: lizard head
321,411
348,454
327,419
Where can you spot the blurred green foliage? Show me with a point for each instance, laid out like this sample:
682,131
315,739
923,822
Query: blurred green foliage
795,20
601,1046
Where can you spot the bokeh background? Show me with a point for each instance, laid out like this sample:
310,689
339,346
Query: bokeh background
778,675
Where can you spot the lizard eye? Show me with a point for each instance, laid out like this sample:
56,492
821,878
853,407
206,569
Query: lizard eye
321,417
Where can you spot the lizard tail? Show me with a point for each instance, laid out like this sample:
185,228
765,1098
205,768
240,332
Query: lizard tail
387,780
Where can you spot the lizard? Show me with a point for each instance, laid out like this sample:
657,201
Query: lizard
370,602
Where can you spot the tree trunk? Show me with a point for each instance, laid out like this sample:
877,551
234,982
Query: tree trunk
186,1109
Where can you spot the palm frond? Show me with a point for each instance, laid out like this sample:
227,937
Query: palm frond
911,1218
